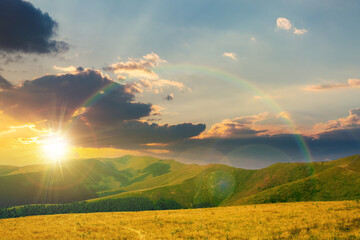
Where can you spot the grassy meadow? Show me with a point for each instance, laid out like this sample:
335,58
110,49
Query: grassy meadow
301,220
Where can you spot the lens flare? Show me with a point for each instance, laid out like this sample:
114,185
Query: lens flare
55,147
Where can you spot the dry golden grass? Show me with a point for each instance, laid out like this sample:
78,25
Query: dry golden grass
307,220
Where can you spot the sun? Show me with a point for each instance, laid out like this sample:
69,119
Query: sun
55,147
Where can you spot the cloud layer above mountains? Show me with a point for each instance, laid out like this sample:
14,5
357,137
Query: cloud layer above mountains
101,113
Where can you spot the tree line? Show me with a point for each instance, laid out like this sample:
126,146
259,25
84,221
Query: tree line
106,205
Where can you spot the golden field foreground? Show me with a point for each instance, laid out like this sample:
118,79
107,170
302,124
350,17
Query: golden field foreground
303,220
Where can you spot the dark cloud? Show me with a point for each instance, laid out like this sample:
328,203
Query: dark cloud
100,112
169,97
52,96
133,134
10,58
259,151
241,142
24,28
4,84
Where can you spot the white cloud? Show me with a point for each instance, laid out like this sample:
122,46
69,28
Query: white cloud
137,68
283,23
140,74
253,39
230,55
299,31
65,69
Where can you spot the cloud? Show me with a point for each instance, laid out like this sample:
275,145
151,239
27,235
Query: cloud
271,124
140,75
70,69
241,142
4,84
262,151
137,68
234,128
253,141
52,96
169,97
134,134
351,83
157,85
230,55
246,126
299,31
349,122
10,58
95,110
285,24
26,29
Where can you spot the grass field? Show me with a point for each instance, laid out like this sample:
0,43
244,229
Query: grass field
302,220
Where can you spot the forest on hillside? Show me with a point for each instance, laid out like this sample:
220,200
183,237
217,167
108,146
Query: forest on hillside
107,205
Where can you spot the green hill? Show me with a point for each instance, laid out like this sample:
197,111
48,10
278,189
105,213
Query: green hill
76,180
189,185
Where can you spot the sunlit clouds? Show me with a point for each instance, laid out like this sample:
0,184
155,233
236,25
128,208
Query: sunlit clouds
285,24
352,121
351,83
299,31
70,69
139,74
250,126
230,55
137,68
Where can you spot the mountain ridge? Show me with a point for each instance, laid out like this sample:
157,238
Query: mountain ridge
190,185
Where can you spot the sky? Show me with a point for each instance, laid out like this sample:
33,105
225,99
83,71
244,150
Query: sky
244,83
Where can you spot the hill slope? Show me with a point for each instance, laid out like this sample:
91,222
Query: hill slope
189,185
76,180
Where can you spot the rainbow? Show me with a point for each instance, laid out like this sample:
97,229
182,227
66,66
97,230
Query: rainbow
219,74
247,86
99,94
92,99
